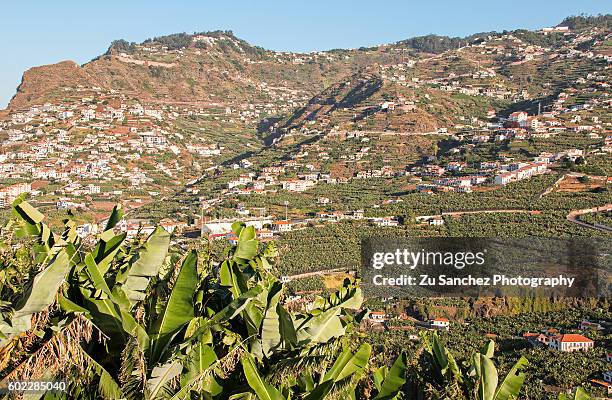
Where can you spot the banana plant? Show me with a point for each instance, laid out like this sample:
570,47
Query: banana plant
389,382
139,319
486,377
444,367
52,253
481,380
169,330
341,378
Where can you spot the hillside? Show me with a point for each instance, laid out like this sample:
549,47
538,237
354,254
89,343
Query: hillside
178,119
204,68
241,164
218,67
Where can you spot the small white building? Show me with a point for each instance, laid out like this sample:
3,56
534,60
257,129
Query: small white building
265,234
440,323
436,221
282,226
377,316
93,189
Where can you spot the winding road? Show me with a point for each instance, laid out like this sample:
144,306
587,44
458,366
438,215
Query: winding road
574,217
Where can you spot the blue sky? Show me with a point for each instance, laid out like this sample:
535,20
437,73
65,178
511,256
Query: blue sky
37,32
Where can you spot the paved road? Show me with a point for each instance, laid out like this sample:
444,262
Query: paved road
574,217
317,273
459,213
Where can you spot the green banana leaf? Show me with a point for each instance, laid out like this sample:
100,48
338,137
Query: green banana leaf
106,249
378,377
320,391
348,364
277,328
179,308
115,217
262,389
41,293
145,264
228,312
161,375
393,380
322,327
445,362
247,246
231,276
487,377
511,385
112,319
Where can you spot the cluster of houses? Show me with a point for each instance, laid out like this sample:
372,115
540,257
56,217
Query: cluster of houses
566,342
97,139
268,226
379,321
95,135
519,172
570,342
9,194
90,137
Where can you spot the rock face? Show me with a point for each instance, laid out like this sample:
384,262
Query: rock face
216,68
40,83
210,67
221,70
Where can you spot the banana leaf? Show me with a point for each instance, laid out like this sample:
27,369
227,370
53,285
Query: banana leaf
179,308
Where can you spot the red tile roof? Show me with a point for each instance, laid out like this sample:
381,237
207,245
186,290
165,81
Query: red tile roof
573,338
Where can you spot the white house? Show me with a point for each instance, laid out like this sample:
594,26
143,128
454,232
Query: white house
440,323
436,221
282,226
295,185
519,117
385,221
570,342
378,316
93,189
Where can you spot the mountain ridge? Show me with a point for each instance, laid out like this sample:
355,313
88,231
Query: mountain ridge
220,51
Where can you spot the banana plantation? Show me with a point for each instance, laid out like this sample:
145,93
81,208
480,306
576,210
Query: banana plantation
146,319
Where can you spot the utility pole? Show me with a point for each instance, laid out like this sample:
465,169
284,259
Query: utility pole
201,219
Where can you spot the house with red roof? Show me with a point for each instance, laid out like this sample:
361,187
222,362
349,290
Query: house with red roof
570,342
440,323
377,316
282,226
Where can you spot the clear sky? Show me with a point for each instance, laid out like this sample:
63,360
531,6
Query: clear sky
37,32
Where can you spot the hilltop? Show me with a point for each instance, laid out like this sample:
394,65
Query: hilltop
209,66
